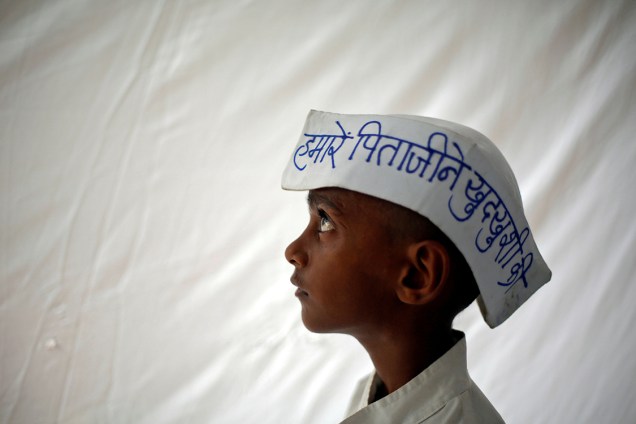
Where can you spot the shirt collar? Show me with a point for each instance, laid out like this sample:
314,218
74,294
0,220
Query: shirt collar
442,381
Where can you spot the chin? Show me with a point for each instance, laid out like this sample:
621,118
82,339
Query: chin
311,326
322,327
315,326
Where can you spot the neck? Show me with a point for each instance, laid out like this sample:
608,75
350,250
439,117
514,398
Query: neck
398,358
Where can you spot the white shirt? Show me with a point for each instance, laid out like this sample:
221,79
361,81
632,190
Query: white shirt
442,393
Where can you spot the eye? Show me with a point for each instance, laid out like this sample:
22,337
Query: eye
325,222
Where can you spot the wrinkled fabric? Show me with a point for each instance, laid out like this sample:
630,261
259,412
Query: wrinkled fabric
142,225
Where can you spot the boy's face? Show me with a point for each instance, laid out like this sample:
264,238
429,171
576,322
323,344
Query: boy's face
346,263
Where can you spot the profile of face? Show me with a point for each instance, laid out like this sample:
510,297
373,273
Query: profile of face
345,263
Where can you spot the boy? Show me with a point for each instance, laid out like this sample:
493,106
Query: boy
411,219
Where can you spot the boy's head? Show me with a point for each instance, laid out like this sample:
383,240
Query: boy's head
411,188
363,264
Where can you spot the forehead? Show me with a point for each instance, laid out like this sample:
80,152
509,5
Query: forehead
351,204
339,198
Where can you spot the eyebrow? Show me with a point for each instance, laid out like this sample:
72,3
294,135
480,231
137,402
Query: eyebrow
314,199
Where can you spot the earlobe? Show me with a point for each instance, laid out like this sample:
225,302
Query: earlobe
425,275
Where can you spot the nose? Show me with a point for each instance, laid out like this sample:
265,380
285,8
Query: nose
295,253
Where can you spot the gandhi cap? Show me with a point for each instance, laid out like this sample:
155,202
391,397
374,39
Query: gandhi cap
449,173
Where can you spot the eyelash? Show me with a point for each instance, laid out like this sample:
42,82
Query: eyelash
324,218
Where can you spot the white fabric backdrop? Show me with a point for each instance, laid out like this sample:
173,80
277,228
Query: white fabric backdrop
142,225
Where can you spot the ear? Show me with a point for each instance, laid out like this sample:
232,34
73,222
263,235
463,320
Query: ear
425,277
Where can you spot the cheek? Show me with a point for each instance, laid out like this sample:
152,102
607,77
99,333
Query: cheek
379,271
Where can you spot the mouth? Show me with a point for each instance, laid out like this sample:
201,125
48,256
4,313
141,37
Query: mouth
300,293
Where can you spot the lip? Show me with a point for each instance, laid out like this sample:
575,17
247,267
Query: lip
300,293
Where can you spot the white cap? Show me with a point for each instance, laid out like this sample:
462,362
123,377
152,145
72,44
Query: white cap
449,173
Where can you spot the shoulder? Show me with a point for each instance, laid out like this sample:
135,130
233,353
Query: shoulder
470,407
